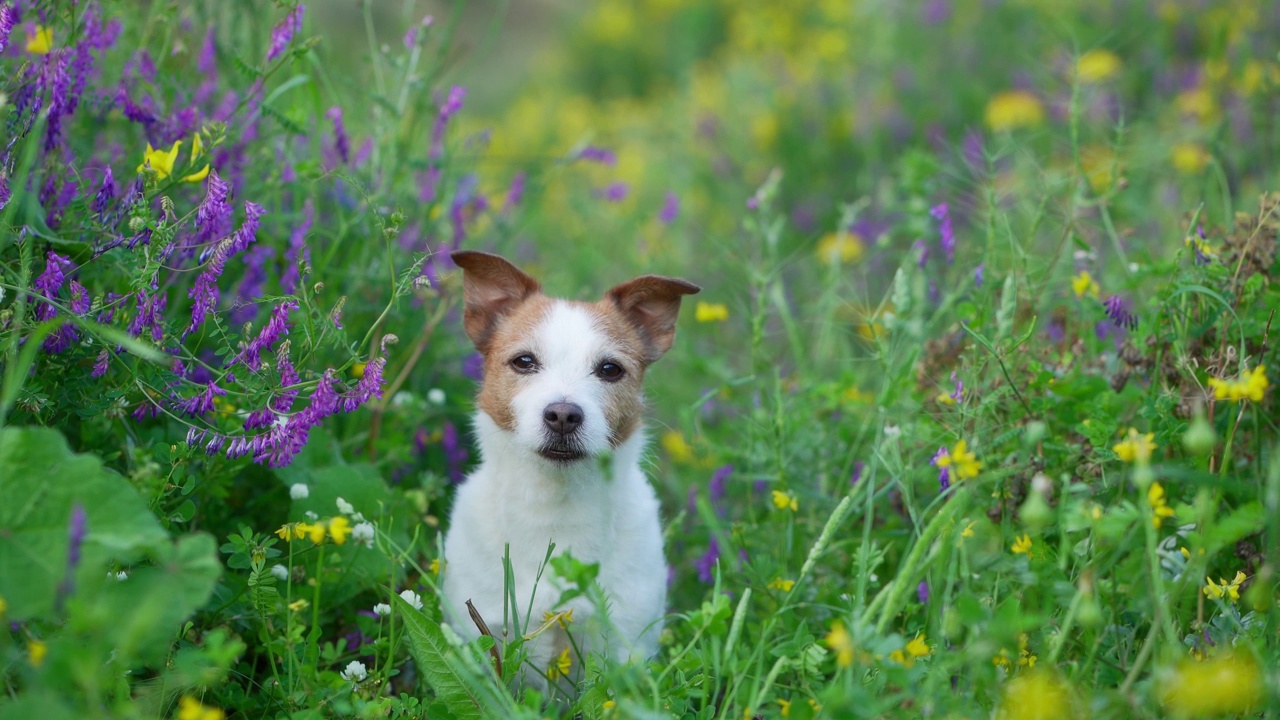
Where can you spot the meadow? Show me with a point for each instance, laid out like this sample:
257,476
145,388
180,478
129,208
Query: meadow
973,417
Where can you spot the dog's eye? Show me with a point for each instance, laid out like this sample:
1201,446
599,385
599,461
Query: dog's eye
610,371
524,364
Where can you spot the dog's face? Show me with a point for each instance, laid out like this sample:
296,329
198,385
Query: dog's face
565,378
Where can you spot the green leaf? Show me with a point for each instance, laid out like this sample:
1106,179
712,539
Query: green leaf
449,671
41,482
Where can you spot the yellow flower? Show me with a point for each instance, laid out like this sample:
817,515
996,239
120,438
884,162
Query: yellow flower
160,161
677,447
967,532
314,531
841,641
339,529
41,42
1135,446
1014,109
1037,696
1229,684
1159,507
1251,385
786,707
1189,158
1022,545
916,648
434,567
357,370
563,618
705,312
1026,658
944,398
190,708
1084,284
1097,66
840,247
783,500
1228,589
608,705
560,666
163,161
36,652
299,605
965,463
1198,103
781,584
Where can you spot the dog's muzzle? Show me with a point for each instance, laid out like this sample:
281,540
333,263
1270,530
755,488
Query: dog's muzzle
561,421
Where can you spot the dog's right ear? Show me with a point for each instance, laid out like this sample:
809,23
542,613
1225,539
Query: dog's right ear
492,287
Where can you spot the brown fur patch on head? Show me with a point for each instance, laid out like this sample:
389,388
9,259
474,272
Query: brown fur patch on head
650,304
624,399
506,339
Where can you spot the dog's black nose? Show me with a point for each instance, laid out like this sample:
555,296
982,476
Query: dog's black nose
562,417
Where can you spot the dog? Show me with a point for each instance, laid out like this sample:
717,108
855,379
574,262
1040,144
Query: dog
560,428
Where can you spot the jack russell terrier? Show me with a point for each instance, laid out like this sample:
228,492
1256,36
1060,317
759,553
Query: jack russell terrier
560,425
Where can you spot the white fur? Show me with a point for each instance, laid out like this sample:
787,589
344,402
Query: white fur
597,513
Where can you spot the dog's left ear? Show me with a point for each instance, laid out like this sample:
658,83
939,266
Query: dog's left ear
492,288
651,303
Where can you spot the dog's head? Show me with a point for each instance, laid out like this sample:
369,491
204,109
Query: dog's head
563,377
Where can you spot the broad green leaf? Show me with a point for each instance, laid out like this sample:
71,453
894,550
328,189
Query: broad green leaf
41,482
455,678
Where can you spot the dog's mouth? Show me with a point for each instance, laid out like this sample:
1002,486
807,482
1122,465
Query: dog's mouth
561,452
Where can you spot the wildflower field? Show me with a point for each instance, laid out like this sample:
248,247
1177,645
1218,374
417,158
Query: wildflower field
973,417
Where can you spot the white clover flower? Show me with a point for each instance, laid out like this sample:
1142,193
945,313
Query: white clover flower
281,572
382,609
355,671
298,491
435,396
345,507
363,534
412,598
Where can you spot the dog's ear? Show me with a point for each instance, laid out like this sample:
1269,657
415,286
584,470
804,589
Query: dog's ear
651,303
492,287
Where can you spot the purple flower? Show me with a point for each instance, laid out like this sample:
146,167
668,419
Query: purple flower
706,564
8,18
100,364
201,403
141,66
922,592
670,208
205,290
80,300
614,192
947,240
106,194
978,274
259,419
288,377
341,145
5,193
277,326
284,31
370,386
1118,310
858,468
923,248
718,481
213,217
49,283
936,12
515,193
473,366
297,250
62,104
75,537
149,315
451,106
944,474
958,393
598,155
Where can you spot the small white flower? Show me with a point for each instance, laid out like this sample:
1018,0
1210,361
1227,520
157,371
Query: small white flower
281,572
363,533
892,431
435,396
311,515
355,671
345,507
298,491
412,598
402,399
382,609
122,576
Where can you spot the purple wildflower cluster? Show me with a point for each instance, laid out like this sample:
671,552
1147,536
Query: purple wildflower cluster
205,290
944,473
1118,310
947,238
284,31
